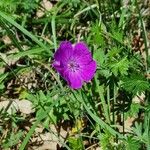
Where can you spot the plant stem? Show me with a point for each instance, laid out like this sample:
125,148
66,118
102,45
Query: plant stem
144,34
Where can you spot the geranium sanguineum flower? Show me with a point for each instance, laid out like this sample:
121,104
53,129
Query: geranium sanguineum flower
74,63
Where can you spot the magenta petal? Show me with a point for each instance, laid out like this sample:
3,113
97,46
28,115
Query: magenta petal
82,53
58,67
74,79
64,51
81,49
84,60
89,71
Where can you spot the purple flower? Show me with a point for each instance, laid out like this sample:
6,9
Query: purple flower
74,63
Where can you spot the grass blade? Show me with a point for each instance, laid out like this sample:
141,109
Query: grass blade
23,30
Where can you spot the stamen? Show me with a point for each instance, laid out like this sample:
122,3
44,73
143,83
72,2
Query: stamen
73,65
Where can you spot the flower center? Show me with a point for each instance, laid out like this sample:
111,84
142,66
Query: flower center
73,66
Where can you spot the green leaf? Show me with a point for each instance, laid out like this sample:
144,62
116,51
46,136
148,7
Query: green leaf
141,133
132,144
99,56
134,110
29,52
3,76
120,67
136,84
13,139
2,86
97,34
117,35
105,140
9,5
75,143
114,52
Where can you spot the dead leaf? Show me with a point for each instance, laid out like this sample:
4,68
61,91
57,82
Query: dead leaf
45,4
25,107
